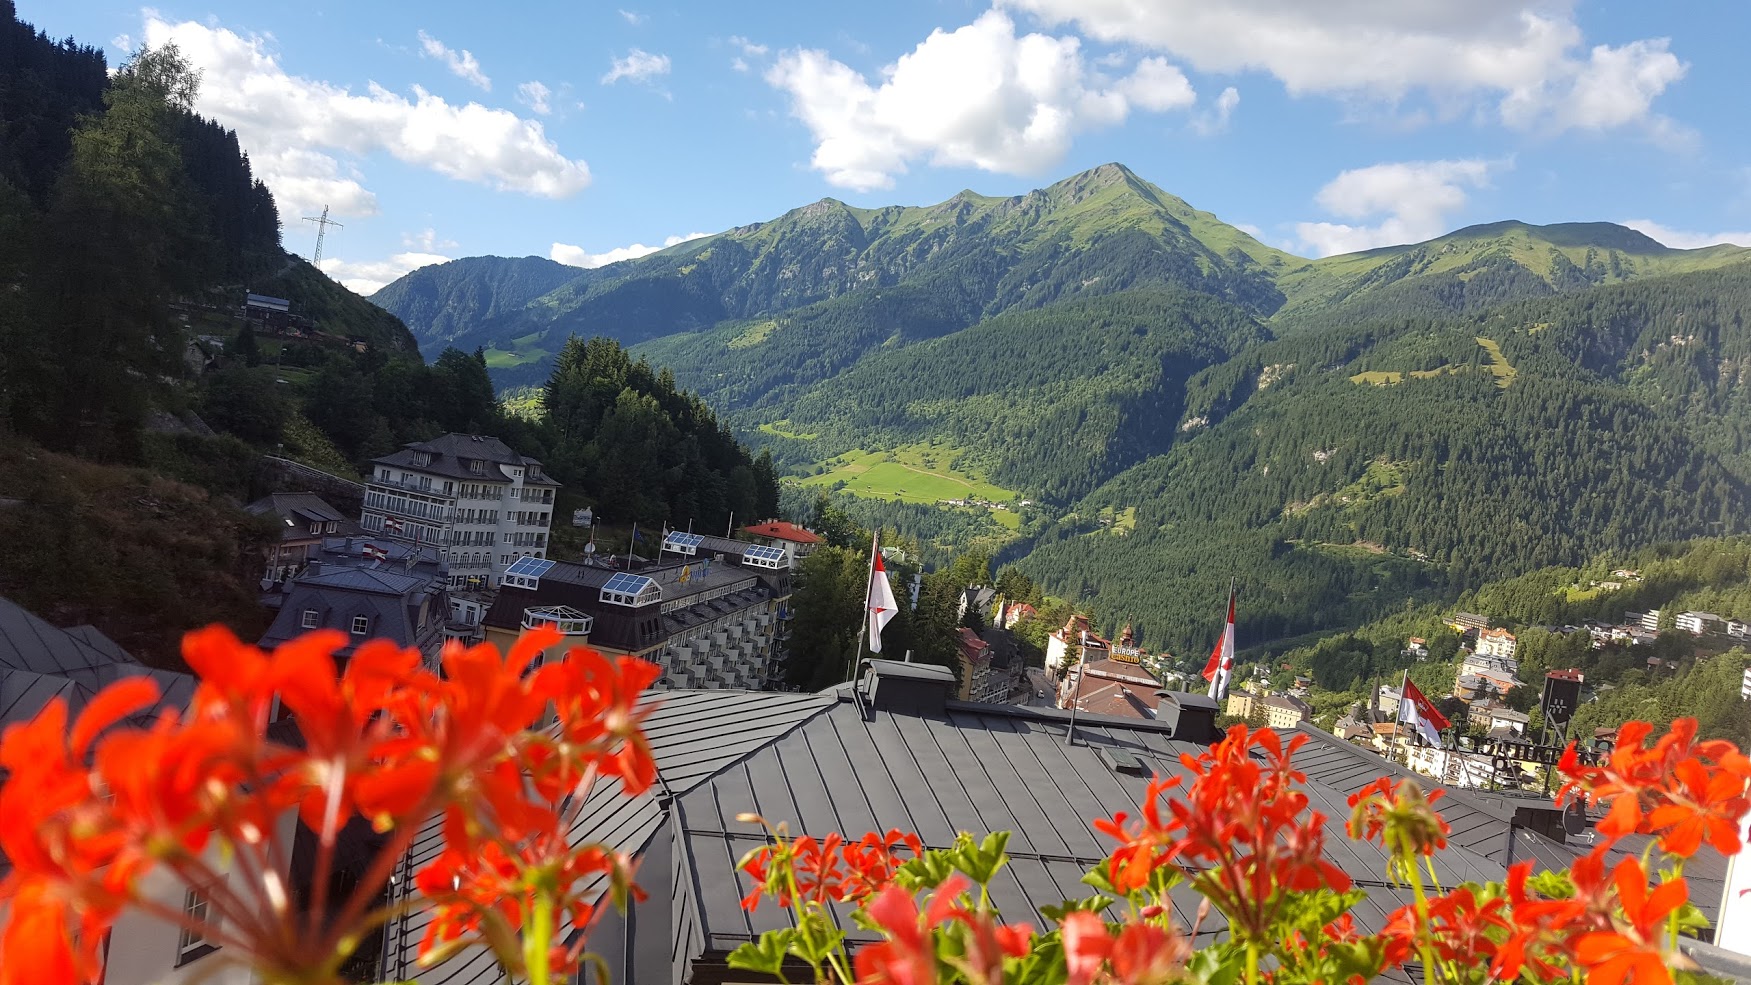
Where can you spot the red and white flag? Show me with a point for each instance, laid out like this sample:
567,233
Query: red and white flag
1221,663
376,553
391,524
881,598
1416,710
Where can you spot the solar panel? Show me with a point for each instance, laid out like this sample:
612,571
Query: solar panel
763,556
530,567
630,589
682,542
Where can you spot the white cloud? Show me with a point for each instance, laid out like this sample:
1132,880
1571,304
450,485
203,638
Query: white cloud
638,65
1524,54
632,17
747,47
122,43
462,64
427,241
369,276
295,128
577,256
536,96
1156,85
980,96
1415,198
1215,120
1679,240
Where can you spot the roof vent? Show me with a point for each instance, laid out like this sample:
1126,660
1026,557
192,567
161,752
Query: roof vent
1120,761
906,688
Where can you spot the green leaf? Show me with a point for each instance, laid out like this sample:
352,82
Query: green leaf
1092,904
765,955
1218,964
927,871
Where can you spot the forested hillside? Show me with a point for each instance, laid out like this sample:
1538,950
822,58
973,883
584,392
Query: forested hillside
1342,471
1546,608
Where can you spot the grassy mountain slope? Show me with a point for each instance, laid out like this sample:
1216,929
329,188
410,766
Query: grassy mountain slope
1486,264
1099,232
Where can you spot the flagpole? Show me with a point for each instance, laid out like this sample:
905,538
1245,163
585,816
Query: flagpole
630,544
868,586
1398,727
731,531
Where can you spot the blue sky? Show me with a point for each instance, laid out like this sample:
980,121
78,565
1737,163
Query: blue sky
592,131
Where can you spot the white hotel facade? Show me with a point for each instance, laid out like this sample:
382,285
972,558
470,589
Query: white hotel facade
471,495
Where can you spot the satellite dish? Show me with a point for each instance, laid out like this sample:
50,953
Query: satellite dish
589,548
1575,817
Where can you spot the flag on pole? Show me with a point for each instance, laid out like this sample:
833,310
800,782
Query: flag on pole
392,524
376,553
881,599
686,573
1221,663
1416,710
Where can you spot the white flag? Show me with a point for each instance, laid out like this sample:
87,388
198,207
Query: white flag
881,599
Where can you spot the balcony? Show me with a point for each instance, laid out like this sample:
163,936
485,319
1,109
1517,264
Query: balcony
564,618
412,485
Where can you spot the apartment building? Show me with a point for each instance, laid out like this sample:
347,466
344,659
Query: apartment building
714,616
483,504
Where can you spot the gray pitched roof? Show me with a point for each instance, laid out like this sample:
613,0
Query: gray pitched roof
297,510
39,662
694,735
450,454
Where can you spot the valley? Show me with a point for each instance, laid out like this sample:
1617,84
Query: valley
1179,401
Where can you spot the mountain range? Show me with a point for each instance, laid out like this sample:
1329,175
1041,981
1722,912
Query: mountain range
1177,401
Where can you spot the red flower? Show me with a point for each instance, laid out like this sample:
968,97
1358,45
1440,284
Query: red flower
907,955
1243,834
1400,816
1087,945
1683,791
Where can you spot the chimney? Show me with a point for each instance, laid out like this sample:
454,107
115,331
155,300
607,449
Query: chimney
349,545
906,688
1192,716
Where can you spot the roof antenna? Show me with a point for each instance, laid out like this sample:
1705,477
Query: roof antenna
1076,699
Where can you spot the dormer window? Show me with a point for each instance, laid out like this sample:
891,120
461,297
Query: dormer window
422,458
361,625
332,526
315,528
309,619
477,466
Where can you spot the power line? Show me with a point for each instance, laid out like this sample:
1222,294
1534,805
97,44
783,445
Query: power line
322,225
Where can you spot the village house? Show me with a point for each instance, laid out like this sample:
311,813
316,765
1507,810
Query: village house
1285,711
1468,622
1496,643
367,589
1698,623
1112,687
796,542
303,520
1073,642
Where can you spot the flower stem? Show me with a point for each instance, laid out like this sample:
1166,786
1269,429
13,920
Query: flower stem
1252,963
537,937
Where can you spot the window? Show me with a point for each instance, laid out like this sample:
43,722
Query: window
361,625
332,525
193,944
316,528
422,458
309,620
476,466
